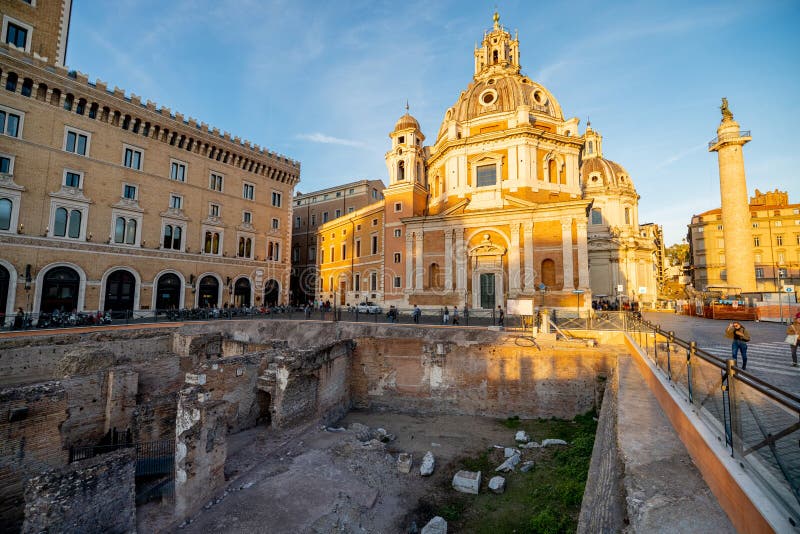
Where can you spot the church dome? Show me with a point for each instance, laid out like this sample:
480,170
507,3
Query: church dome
405,122
502,94
601,173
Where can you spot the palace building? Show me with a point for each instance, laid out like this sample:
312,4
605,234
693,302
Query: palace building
774,241
108,202
509,201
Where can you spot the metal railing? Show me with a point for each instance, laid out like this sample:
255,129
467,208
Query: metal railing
742,133
758,422
464,317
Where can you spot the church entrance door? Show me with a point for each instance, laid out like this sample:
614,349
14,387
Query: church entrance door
487,291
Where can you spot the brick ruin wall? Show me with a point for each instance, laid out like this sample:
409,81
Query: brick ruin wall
266,372
94,495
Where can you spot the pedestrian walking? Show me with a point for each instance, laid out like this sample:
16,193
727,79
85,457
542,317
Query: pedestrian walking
446,316
19,320
455,315
416,313
500,316
793,338
740,337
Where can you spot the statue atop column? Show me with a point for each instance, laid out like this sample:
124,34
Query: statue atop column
726,112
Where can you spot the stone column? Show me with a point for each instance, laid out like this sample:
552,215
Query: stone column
420,270
736,225
583,256
514,275
448,260
529,268
566,245
461,261
409,260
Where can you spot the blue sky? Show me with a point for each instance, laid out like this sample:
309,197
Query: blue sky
324,82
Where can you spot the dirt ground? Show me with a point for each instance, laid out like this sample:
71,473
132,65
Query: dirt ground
320,481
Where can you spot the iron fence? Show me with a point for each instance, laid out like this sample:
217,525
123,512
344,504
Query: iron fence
758,422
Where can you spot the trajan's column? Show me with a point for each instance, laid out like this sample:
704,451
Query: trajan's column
736,232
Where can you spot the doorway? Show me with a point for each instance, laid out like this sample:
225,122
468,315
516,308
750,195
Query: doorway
241,293
208,289
120,290
168,292
487,290
271,292
60,290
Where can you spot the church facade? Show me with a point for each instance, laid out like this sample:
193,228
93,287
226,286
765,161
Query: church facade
510,201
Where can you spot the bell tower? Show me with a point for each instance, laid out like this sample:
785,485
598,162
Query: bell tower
498,52
406,159
593,143
736,225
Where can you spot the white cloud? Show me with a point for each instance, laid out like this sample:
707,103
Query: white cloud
317,137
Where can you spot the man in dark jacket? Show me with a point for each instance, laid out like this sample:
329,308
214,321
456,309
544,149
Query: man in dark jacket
740,337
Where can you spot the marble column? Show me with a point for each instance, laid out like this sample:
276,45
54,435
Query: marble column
514,275
528,250
448,260
583,256
409,260
420,270
566,245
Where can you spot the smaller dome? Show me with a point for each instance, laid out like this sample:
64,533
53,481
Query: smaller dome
604,173
405,122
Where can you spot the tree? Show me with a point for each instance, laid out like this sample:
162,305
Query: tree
678,253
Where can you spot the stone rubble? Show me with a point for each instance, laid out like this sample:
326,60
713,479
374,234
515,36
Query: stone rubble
437,525
509,464
530,445
521,437
548,442
404,462
497,484
508,452
428,464
526,466
467,482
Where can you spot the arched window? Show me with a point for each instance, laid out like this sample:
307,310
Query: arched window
245,247
495,57
627,215
119,230
5,218
552,171
130,232
549,272
60,289
401,170
80,109
126,122
27,87
211,243
41,92
590,148
172,237
55,97
168,236
74,224
60,225
93,110
68,101
11,81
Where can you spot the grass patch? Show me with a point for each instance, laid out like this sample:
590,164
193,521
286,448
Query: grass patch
545,500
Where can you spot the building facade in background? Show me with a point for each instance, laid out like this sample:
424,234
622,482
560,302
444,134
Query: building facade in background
108,202
311,211
773,240
497,208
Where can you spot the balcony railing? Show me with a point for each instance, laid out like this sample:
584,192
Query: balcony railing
726,137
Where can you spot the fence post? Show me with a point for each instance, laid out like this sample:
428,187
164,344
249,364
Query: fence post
689,360
670,339
655,345
728,405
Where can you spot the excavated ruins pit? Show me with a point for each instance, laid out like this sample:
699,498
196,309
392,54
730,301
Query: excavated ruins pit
246,404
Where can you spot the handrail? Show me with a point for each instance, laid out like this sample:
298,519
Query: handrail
725,137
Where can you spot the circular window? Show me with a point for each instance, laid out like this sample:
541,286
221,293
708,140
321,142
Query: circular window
491,82
488,97
594,178
539,97
622,179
